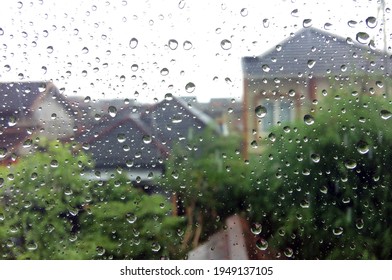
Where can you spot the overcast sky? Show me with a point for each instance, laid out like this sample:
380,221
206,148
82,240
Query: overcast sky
85,46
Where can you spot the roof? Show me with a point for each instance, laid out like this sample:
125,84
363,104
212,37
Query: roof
316,52
174,121
121,142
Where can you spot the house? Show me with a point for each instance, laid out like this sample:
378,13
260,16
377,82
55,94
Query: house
29,110
286,82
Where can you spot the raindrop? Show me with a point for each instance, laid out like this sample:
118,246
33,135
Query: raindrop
352,23
85,50
385,114
371,22
379,84
350,164
256,228
272,137
266,23
308,119
254,144
168,96
190,87
343,68
164,71
87,99
20,76
3,152
261,111
311,63
112,111
1,31
337,231
362,147
44,69
288,252
307,23
315,158
12,121
225,44
7,67
262,244
155,247
305,203
266,68
32,246
86,146
100,250
362,37
49,49
173,44
181,4
122,78
291,93
121,137
134,67
244,12
54,163
20,5
294,13
133,43
359,223
187,45
147,139
131,218
176,119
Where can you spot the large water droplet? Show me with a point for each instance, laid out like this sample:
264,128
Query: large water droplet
147,139
133,43
371,22
385,114
226,44
173,44
337,231
266,68
315,158
261,111
359,223
181,4
122,78
350,164
256,228
121,137
164,71
308,119
362,147
190,87
187,45
168,96
112,111
362,37
288,252
100,250
155,247
305,203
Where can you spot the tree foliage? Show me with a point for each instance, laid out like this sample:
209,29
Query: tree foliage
49,211
325,182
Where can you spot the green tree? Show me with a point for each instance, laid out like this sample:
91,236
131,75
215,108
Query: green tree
49,211
210,181
324,183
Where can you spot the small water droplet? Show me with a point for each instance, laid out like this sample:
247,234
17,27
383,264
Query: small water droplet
133,43
294,13
362,147
288,252
371,22
32,246
131,218
261,111
190,87
315,158
54,163
352,23
3,152
173,44
85,50
308,119
266,23
311,63
112,111
254,144
122,78
134,67
359,223
305,203
12,120
385,114
100,250
244,12
168,96
225,44
121,137
266,68
181,4
256,228
155,247
49,49
164,71
147,139
362,37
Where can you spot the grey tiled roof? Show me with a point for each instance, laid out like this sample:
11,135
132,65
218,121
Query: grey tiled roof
330,55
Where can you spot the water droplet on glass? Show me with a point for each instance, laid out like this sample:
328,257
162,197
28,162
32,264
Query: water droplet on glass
54,163
362,37
352,23
131,218
187,45
85,50
379,84
308,119
173,44
337,231
371,22
256,228
244,12
7,67
155,247
31,246
262,244
122,78
261,111
176,119
343,68
294,13
385,114
190,87
254,144
327,26
266,23
288,252
307,23
350,164
311,63
121,137
181,4
315,158
133,43
147,139
168,96
49,49
134,67
86,146
164,71
100,250
305,203
272,137
265,68
112,111
226,44
3,152
362,147
359,223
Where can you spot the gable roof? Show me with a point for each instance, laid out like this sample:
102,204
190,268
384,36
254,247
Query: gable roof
316,52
